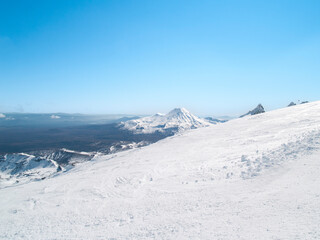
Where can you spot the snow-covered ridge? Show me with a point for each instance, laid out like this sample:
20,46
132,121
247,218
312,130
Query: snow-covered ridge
24,167
178,119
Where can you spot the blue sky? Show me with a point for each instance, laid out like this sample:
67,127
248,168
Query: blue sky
140,57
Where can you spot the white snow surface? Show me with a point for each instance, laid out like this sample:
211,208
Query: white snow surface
179,119
251,178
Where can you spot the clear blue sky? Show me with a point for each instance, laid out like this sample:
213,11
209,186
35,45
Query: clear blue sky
211,57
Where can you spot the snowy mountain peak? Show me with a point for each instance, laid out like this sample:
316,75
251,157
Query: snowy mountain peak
177,111
181,113
259,109
176,120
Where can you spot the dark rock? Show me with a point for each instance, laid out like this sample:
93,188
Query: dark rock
292,104
259,109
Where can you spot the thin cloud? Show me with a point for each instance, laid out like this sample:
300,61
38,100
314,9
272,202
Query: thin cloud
55,117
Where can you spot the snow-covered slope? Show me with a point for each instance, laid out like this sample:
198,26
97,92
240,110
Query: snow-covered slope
176,120
250,178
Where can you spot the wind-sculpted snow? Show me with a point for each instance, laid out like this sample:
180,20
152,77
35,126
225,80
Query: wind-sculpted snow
250,178
178,119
